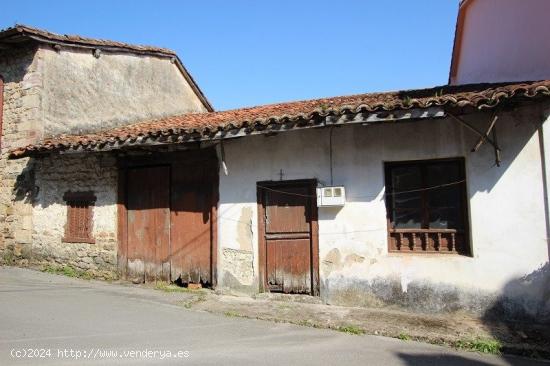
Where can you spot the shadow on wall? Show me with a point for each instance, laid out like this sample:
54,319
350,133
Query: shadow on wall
25,189
522,312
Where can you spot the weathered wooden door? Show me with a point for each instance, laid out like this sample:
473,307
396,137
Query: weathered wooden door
193,205
148,213
289,220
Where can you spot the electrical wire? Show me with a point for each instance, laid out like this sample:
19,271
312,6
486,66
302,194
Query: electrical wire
385,194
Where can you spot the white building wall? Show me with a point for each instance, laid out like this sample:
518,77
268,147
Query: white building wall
504,40
506,211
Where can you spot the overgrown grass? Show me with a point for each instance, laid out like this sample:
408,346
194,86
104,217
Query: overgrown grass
351,329
404,336
68,271
482,345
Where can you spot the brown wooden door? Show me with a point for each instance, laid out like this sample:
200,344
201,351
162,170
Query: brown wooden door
148,193
288,218
193,205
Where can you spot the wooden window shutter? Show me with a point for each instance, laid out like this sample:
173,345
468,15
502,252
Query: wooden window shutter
79,226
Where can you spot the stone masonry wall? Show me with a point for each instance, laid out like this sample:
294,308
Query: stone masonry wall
77,173
21,71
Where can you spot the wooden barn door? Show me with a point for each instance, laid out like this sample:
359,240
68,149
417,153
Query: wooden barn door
289,252
167,218
193,205
148,216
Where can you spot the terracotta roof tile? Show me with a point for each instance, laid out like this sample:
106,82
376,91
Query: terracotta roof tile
256,118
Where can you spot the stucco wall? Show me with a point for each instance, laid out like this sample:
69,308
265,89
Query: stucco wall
54,177
506,211
21,70
504,40
85,93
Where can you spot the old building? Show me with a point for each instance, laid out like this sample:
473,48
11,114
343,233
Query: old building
432,199
55,85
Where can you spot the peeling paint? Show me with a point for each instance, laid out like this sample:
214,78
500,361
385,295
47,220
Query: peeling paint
244,230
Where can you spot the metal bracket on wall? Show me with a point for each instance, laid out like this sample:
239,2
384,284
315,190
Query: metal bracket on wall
483,137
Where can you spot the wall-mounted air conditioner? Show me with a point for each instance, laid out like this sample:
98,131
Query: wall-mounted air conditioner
331,196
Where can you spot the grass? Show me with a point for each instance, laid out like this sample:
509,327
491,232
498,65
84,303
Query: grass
232,314
404,336
8,257
199,294
351,329
170,287
482,345
68,271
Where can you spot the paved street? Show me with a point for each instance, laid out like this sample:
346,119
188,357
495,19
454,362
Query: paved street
71,321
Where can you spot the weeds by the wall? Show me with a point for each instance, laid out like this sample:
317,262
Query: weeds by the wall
491,346
67,271
351,329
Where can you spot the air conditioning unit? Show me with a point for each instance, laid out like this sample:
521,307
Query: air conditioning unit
331,196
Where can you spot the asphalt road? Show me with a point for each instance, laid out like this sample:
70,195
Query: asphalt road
59,320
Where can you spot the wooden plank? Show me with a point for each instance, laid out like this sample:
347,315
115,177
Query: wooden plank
148,223
122,224
289,265
192,205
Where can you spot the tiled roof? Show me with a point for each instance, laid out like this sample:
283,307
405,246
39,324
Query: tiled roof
25,31
206,125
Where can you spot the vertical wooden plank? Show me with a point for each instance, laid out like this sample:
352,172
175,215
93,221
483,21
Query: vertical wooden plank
193,227
157,222
122,218
148,217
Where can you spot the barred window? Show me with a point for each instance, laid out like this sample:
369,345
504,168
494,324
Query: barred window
78,228
426,205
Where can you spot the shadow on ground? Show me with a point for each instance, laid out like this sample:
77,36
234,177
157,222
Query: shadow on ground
521,315
455,360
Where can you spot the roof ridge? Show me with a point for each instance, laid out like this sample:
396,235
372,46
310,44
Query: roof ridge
46,35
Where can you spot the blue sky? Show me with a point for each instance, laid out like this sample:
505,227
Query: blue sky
245,53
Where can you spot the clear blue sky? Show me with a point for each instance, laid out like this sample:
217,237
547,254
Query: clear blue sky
244,53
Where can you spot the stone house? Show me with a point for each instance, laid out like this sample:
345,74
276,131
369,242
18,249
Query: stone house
432,200
56,85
